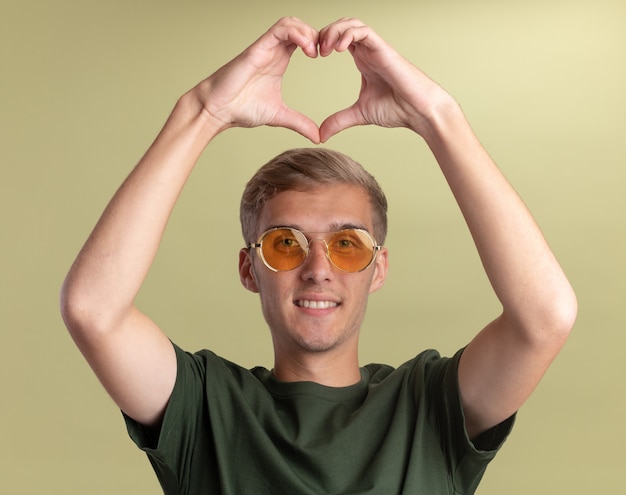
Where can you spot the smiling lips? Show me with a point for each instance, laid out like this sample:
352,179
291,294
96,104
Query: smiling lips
303,303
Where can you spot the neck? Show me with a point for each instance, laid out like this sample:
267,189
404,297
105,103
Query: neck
329,368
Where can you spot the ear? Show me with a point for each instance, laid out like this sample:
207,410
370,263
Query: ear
381,266
246,272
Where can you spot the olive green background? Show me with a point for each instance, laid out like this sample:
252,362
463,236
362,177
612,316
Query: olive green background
86,85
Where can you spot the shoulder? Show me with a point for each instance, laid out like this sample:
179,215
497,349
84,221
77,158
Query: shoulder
426,364
209,367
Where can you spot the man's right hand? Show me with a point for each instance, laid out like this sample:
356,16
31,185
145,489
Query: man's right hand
246,92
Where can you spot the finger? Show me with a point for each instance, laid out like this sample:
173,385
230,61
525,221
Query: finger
339,35
296,121
339,121
293,30
357,34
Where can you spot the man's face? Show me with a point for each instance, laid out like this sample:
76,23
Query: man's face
340,298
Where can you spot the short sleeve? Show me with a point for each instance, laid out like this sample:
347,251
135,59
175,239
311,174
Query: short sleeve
173,449
467,460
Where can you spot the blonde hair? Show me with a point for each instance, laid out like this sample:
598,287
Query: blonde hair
302,169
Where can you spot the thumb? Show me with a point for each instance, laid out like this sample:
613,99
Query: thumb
296,121
339,121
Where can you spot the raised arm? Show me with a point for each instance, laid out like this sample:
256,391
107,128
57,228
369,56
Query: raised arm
502,365
131,356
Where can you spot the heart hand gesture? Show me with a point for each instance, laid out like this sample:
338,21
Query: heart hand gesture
247,92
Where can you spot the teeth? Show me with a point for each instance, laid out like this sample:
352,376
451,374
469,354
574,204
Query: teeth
317,304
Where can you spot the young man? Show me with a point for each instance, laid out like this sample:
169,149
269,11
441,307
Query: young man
314,223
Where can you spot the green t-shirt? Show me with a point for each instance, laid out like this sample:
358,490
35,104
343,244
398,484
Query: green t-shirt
228,430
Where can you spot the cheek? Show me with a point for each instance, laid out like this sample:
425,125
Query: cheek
271,287
275,304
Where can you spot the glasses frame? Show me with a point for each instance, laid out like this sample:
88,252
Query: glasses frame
259,244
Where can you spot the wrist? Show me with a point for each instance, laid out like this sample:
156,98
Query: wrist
444,120
191,109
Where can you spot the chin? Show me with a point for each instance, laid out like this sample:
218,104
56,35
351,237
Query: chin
319,343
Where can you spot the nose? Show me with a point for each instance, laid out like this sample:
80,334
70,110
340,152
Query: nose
317,265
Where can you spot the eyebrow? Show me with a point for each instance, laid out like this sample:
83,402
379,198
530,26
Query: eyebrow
333,227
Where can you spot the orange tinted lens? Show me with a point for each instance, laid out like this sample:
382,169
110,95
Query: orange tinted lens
351,250
282,249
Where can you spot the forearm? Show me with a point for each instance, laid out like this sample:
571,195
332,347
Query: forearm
525,275
106,276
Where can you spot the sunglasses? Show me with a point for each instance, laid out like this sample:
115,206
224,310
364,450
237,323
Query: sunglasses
286,248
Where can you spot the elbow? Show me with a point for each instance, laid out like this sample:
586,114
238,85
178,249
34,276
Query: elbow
565,309
556,319
82,313
74,308
570,311
563,318
547,323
